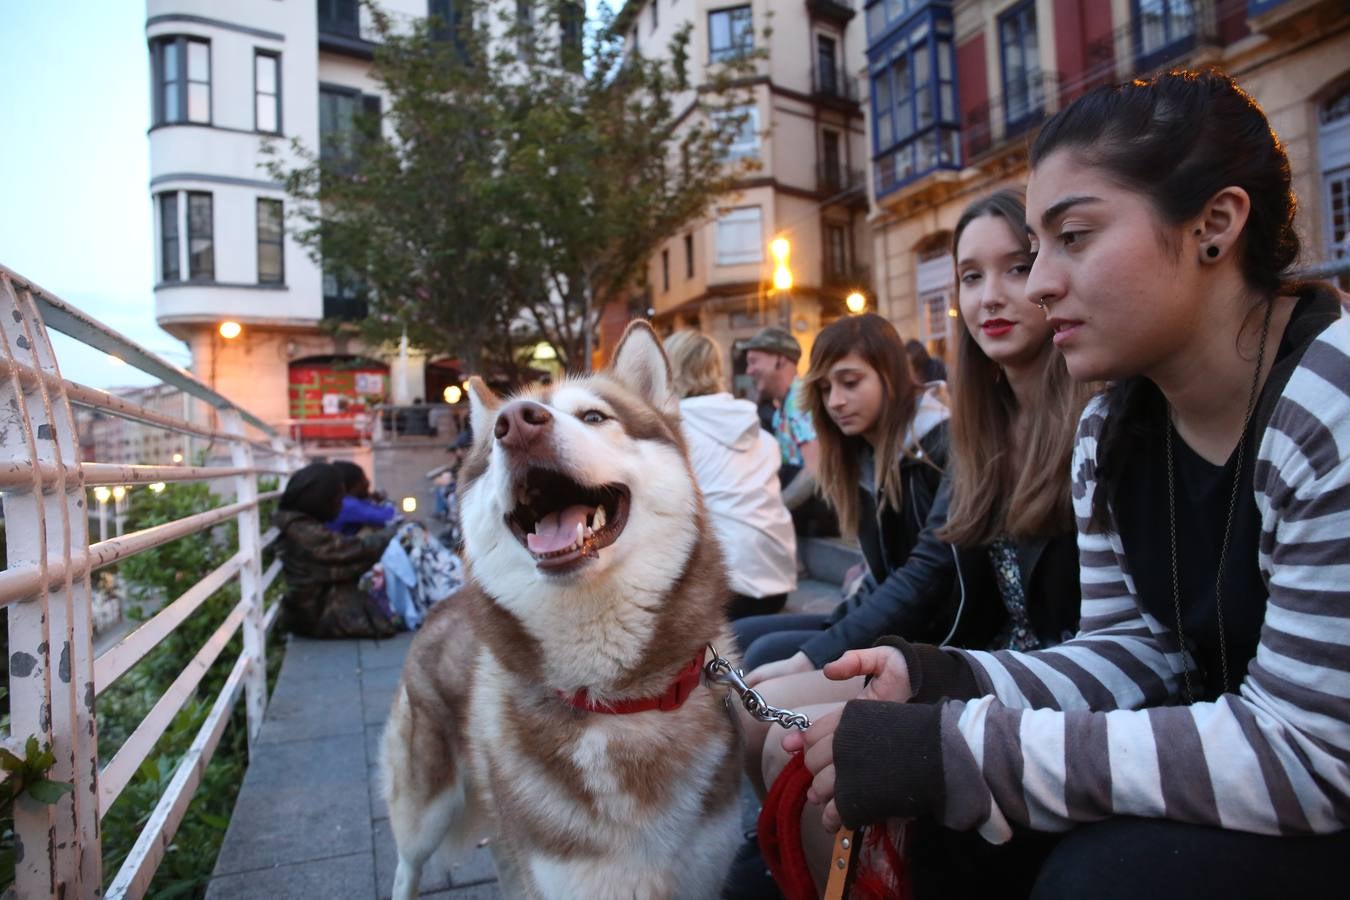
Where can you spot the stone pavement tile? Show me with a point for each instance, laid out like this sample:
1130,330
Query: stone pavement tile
378,809
301,709
376,700
310,658
386,860
489,891
335,878
381,676
389,652
300,801
477,866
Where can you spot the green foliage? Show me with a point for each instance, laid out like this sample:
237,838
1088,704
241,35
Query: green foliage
515,196
25,775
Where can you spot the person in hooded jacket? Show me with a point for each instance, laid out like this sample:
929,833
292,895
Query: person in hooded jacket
735,463
322,567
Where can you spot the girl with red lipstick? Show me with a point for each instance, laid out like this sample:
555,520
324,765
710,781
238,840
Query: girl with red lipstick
1192,740
1001,530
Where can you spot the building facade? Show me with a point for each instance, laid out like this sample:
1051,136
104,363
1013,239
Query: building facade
805,128
231,83
956,90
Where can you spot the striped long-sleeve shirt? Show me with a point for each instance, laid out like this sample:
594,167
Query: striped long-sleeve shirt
1084,731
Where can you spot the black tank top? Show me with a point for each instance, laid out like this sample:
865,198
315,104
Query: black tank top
1203,491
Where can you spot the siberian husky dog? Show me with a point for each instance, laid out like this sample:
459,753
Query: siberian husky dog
555,704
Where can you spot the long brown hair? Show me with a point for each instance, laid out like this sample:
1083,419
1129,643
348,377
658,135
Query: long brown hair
876,343
1000,488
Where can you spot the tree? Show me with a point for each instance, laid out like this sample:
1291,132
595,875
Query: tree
526,171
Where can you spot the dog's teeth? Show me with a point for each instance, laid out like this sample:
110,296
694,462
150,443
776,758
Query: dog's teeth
599,519
581,534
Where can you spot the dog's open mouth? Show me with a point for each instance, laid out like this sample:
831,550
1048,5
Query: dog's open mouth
562,522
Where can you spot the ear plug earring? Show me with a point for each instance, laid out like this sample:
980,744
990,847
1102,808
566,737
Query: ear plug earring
1212,251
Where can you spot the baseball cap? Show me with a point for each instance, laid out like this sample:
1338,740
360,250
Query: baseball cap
775,340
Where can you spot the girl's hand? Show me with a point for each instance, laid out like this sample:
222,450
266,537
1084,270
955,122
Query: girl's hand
793,665
886,666
818,744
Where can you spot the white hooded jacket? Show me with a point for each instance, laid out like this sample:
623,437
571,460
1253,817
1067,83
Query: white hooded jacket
736,466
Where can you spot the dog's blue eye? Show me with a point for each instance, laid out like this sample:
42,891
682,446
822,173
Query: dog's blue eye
593,417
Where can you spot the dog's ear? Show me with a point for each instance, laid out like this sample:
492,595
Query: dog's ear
483,405
640,363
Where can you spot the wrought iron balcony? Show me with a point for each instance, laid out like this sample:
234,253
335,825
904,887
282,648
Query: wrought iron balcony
834,180
835,86
839,11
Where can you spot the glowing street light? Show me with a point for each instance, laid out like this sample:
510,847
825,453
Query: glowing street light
177,458
781,249
409,504
855,302
118,492
102,495
230,330
544,350
453,394
156,487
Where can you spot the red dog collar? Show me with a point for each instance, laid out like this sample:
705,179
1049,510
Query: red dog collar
685,681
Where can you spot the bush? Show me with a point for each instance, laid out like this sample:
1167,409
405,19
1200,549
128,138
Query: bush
151,578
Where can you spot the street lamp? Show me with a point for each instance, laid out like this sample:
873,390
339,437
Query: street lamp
855,302
230,330
102,495
781,249
156,487
453,394
409,504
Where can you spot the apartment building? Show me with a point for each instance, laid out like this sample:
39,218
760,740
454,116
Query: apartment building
955,91
805,127
227,80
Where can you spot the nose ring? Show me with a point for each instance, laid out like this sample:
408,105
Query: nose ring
1041,303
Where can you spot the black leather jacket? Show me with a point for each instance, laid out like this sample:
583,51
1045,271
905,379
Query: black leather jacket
948,595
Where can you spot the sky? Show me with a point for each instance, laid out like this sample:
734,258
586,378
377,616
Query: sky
74,97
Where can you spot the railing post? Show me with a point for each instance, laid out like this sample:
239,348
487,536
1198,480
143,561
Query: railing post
250,576
50,637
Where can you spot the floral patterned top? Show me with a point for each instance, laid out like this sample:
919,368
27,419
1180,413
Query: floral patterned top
1017,633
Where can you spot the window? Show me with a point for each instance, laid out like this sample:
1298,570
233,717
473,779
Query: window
271,259
935,280
1021,64
344,296
201,248
572,32
656,16
830,177
340,109
168,238
525,30
665,271
745,142
266,92
836,251
688,256
1162,29
915,124
731,33
340,17
1333,150
827,69
740,237
181,72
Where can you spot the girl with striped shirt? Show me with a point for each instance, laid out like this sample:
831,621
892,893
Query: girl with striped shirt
1194,738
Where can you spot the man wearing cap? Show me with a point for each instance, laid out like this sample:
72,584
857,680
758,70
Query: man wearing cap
771,362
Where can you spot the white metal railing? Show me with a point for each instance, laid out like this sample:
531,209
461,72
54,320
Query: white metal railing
55,679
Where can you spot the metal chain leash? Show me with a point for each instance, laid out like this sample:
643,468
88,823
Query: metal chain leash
719,670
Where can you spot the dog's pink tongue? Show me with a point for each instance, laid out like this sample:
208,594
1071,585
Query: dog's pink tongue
557,531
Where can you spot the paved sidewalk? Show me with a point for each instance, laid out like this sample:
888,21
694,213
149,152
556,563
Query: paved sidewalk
309,821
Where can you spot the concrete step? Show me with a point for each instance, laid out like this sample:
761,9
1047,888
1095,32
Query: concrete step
828,559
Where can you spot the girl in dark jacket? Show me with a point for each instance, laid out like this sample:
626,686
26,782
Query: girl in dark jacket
322,567
866,406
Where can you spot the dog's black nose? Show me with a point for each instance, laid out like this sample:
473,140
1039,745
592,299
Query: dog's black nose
519,423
